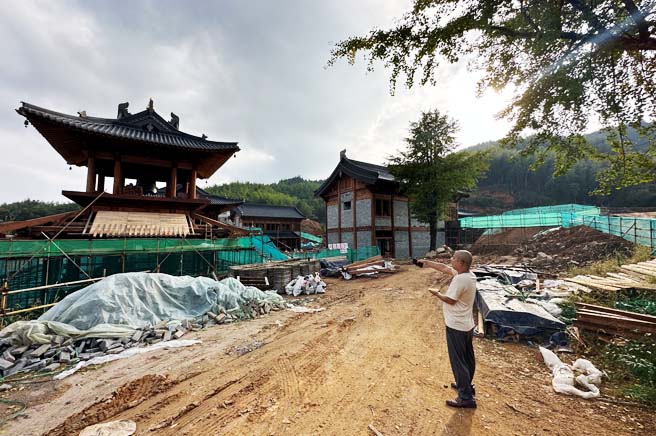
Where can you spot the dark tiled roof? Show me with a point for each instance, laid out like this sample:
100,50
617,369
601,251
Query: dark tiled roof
146,127
215,200
362,171
283,234
268,211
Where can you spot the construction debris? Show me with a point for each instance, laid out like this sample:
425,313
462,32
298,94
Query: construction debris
610,321
310,284
366,268
126,312
563,376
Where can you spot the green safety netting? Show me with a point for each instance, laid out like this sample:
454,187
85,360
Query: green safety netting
310,237
637,230
351,254
546,216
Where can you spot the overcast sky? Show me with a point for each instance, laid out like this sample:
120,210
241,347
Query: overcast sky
252,72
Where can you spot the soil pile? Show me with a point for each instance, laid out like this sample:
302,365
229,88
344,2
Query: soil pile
576,246
505,242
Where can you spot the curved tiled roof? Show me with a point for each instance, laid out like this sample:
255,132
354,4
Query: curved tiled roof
269,211
362,171
146,127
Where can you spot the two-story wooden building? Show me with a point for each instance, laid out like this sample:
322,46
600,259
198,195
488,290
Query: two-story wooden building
364,208
280,223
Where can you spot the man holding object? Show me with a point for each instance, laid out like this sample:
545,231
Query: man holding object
459,319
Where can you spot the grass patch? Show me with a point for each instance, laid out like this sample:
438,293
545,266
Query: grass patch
613,264
632,369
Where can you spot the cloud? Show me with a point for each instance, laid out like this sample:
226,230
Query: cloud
248,72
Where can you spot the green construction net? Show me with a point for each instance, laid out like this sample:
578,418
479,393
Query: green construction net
545,216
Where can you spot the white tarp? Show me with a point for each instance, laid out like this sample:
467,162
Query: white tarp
142,299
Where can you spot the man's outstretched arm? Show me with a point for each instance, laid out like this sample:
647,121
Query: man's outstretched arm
437,266
441,296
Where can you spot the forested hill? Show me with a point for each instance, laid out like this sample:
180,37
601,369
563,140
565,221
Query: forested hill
510,183
295,191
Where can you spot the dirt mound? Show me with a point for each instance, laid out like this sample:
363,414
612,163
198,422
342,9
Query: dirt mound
575,246
504,242
312,227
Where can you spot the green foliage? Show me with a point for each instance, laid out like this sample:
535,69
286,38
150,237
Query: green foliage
28,209
290,192
634,362
568,63
515,174
430,172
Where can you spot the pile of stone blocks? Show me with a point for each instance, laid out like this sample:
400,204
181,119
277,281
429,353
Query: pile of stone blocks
63,351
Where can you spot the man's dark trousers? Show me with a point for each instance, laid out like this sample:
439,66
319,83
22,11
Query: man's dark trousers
461,356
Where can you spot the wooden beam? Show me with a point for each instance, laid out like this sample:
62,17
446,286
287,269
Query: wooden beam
17,225
101,183
192,183
91,173
233,229
118,177
171,187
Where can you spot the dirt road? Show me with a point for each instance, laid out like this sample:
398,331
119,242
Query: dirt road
376,355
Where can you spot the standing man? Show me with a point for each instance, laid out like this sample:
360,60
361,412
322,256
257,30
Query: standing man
459,319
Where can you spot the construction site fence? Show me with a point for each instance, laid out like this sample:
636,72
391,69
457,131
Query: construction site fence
640,231
351,254
29,264
547,216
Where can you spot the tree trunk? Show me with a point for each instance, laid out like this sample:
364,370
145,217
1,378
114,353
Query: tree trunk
432,228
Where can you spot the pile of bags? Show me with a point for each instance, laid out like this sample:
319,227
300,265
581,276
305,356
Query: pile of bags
310,284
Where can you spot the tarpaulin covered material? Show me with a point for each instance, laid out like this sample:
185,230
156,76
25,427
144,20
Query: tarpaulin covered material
142,299
503,305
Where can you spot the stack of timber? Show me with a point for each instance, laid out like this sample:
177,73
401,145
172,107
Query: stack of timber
614,321
634,276
371,266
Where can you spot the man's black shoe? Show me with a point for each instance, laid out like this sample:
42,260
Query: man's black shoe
461,404
455,386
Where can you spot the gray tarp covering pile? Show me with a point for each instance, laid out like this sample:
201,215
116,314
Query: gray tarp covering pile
499,304
115,306
141,299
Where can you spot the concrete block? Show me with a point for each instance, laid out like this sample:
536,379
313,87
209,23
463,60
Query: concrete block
8,356
19,350
137,335
5,364
40,351
166,336
58,340
179,333
65,357
52,366
116,350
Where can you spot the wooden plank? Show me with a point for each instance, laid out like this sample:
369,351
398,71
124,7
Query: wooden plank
592,284
639,270
625,313
11,226
616,321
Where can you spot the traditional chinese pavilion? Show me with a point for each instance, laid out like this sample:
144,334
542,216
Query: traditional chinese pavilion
135,151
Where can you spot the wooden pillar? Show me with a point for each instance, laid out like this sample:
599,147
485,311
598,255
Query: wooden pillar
101,183
192,183
392,222
373,220
355,217
171,187
119,181
339,209
91,173
409,230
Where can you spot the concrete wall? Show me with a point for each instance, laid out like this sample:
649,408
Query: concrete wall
333,238
348,238
400,213
347,215
384,222
332,216
364,239
363,212
421,243
402,250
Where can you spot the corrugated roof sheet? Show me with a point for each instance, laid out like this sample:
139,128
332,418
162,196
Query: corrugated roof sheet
146,126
